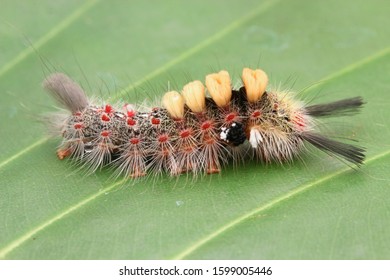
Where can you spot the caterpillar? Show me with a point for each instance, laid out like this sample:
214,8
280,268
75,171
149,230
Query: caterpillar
198,130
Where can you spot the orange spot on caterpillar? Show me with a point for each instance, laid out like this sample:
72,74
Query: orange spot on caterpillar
78,126
189,148
256,114
212,167
213,170
63,153
299,121
105,118
108,109
130,114
131,122
137,173
209,141
134,141
163,138
155,121
206,125
230,117
105,133
185,133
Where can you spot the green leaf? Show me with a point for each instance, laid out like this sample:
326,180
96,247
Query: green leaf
317,208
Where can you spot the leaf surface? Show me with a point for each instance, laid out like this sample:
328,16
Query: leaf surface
317,208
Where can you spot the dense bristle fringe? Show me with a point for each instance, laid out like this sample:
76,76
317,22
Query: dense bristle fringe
342,107
349,152
66,92
192,132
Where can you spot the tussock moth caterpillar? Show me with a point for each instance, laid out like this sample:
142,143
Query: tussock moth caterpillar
192,132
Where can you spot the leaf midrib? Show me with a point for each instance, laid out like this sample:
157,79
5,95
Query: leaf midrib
48,36
297,191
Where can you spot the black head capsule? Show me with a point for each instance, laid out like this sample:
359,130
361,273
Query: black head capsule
234,134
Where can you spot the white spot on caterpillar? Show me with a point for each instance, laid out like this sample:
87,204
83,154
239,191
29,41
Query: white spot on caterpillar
223,134
255,137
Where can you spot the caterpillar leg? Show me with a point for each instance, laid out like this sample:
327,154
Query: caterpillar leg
64,153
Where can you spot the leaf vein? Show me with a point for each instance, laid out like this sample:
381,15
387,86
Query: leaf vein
23,152
16,243
48,36
297,191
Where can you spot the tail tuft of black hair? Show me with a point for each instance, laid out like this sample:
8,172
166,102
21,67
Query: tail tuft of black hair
342,107
348,152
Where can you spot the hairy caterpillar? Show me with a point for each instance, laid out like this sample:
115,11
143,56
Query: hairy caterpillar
191,132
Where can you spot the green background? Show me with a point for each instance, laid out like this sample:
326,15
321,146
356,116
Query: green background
318,208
